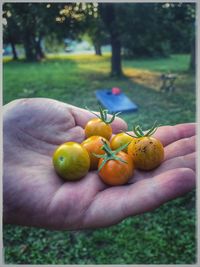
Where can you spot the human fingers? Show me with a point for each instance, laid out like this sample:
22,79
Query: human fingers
114,204
180,148
82,116
150,193
170,134
186,161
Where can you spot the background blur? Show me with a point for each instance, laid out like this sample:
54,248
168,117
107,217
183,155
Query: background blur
67,51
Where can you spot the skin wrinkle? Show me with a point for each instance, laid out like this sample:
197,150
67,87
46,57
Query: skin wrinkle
50,209
125,209
75,115
93,212
175,186
13,202
40,206
27,213
73,197
39,124
146,199
45,137
76,134
181,148
99,188
158,198
179,132
33,144
184,161
31,139
86,196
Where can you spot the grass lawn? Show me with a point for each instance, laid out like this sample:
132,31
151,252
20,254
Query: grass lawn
164,236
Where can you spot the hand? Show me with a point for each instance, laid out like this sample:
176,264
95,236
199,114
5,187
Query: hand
33,195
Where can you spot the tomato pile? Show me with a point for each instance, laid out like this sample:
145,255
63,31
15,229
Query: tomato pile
115,157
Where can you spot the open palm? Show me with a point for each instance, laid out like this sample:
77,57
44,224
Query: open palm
34,195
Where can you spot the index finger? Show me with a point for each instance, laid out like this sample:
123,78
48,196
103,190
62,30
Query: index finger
169,134
82,116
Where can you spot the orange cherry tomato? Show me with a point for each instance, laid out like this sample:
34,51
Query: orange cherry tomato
115,172
147,152
71,161
119,140
93,144
98,127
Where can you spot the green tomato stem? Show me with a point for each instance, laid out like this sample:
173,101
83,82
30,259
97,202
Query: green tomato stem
110,154
137,130
104,115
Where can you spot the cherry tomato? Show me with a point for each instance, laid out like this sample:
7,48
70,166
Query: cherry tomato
100,126
93,144
71,161
119,140
147,152
115,172
97,127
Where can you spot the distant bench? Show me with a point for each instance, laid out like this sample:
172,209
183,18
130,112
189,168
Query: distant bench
168,82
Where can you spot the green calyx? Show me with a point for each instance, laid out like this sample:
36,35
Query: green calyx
140,133
110,154
104,115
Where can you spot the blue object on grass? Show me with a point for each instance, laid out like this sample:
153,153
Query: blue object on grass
115,103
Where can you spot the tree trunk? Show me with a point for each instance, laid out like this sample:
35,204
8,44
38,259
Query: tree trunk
14,52
29,46
109,16
39,52
192,66
116,68
97,48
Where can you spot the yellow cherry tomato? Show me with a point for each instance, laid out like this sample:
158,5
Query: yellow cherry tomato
119,140
71,161
147,152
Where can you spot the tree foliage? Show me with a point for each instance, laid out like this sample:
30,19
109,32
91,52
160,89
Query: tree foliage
158,29
137,29
35,21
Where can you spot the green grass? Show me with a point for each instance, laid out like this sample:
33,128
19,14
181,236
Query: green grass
164,236
174,63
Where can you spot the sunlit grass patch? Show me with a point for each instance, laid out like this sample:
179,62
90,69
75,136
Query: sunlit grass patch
174,63
79,57
144,77
7,59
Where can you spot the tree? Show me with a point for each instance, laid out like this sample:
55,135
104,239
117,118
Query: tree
192,15
192,66
10,31
148,29
96,31
25,21
109,13
90,23
34,21
141,29
145,34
